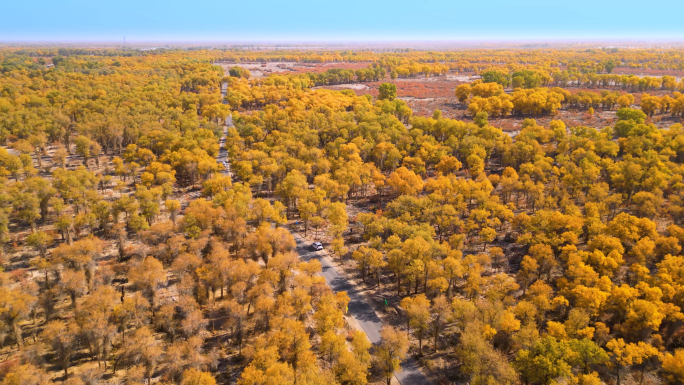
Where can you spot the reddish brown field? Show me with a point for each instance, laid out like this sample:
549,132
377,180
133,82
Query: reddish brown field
424,95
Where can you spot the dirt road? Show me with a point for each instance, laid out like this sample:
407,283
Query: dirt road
359,308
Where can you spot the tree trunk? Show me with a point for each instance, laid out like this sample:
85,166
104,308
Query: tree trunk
116,363
420,343
17,334
617,374
426,280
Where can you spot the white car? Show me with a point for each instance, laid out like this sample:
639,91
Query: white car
317,246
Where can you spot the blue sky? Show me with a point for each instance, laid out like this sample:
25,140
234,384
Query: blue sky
352,20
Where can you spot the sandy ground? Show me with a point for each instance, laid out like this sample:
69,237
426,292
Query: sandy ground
259,70
425,94
352,86
462,78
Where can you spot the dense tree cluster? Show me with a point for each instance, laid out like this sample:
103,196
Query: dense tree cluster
128,277
574,61
551,257
566,78
673,105
594,293
490,97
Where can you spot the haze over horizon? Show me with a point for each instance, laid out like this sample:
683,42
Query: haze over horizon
354,21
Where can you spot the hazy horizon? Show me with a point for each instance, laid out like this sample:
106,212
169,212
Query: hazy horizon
378,46
305,21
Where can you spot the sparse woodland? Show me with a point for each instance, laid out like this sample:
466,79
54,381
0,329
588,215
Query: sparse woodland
129,255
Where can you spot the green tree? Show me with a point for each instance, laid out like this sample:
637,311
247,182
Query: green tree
40,241
587,354
387,91
546,361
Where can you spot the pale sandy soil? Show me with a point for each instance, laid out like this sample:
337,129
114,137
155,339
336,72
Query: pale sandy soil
355,86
